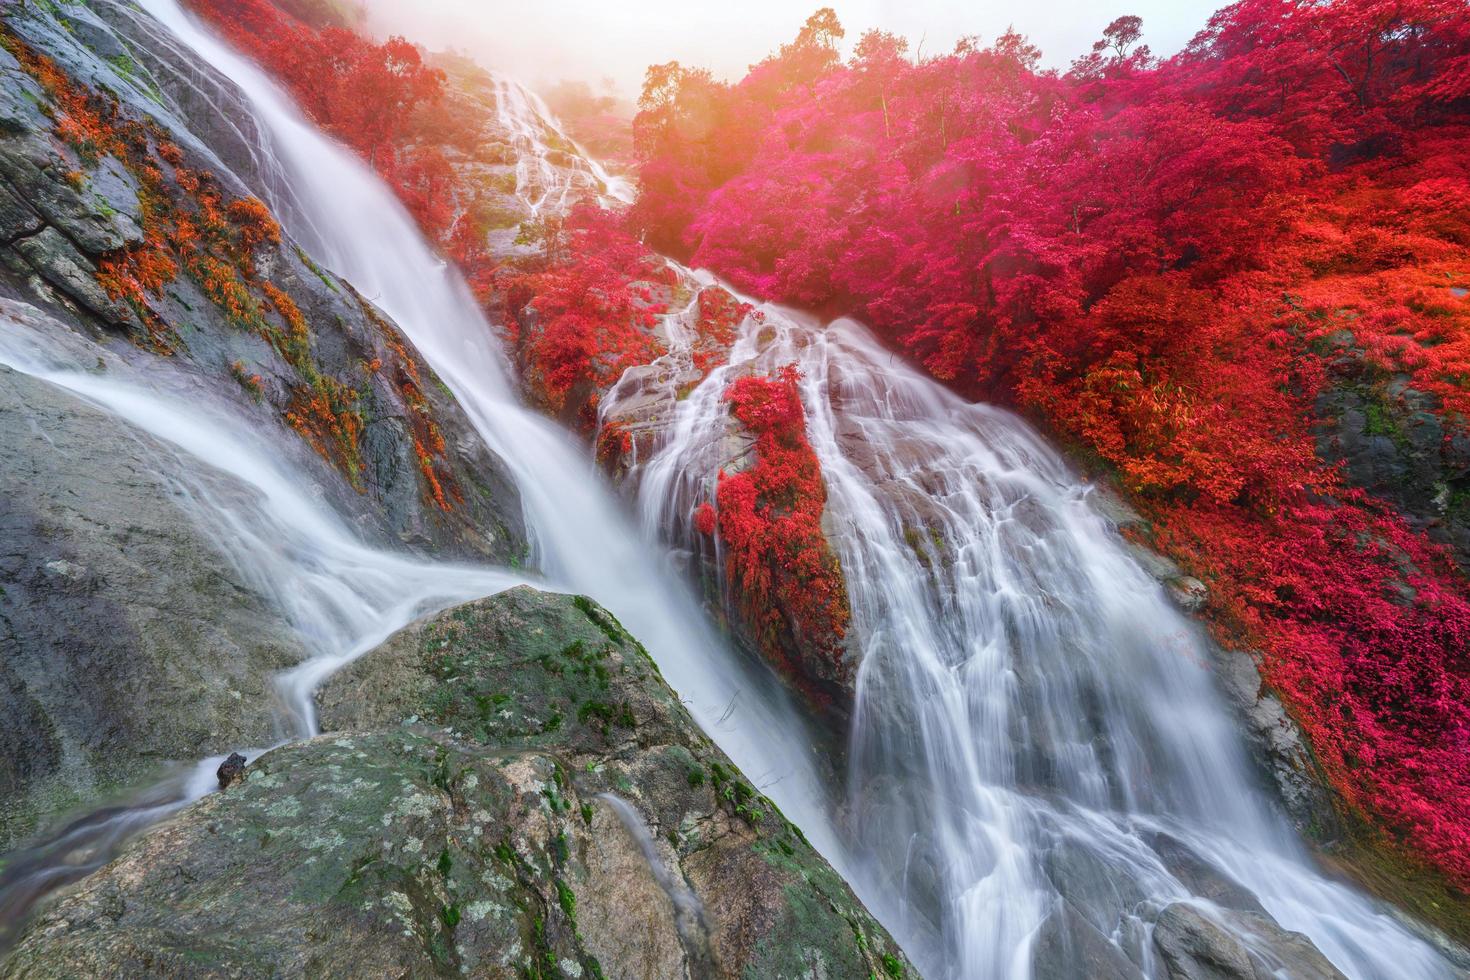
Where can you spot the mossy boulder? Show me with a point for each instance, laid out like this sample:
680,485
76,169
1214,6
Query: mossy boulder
505,789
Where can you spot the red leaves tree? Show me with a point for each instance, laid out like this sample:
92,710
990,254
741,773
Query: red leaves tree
1151,257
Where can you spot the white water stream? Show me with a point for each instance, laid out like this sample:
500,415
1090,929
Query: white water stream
344,597
1025,691
1031,709
582,541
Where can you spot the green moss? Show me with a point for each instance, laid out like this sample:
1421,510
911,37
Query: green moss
566,899
320,273
915,541
1378,421
601,618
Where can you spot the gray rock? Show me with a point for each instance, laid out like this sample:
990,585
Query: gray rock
56,260
1201,878
1188,593
1278,747
17,220
126,640
1391,439
1095,891
1195,946
1068,946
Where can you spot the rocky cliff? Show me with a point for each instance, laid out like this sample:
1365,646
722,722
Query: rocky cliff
132,236
130,208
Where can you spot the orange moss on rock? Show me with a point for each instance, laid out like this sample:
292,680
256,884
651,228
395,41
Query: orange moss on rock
189,227
429,448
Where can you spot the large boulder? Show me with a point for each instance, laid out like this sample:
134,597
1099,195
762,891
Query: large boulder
505,789
1193,944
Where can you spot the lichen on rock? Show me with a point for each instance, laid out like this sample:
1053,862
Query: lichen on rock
455,818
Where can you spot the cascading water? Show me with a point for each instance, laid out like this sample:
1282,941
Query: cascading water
342,596
540,182
1024,692
1035,724
582,540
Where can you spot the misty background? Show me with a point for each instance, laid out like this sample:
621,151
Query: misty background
544,41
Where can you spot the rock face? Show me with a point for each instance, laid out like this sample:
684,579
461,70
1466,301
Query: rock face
803,639
1192,945
126,639
506,789
118,217
1392,440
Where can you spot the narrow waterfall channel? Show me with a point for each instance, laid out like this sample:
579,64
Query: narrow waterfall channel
1036,726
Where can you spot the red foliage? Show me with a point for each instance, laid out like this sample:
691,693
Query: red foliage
592,319
367,95
769,516
720,313
1152,256
705,521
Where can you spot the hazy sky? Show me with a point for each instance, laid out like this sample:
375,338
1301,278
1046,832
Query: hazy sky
542,40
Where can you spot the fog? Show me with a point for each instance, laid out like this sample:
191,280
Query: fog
545,40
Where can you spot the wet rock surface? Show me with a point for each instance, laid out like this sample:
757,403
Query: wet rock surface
126,638
1194,945
65,213
231,771
470,831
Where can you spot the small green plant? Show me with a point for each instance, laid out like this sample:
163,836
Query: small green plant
567,899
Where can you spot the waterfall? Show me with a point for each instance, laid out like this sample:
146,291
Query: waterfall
342,596
582,540
1025,691
1033,717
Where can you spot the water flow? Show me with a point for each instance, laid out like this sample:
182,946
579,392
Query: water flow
341,597
1032,721
581,538
548,177
1035,725
689,917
